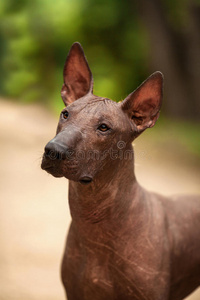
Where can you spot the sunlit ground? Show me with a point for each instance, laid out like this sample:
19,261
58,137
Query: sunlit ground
34,209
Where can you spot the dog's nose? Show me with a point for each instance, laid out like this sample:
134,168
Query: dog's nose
54,150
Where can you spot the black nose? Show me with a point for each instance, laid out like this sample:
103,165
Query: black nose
55,151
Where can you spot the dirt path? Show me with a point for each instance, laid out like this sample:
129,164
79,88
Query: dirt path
34,210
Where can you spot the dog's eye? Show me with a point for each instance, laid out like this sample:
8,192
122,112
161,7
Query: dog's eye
65,114
103,127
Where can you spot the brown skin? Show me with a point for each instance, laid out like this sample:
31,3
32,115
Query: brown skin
124,242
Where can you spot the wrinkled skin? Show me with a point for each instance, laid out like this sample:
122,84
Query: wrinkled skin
124,242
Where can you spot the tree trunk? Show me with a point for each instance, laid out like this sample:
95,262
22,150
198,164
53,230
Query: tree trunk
176,54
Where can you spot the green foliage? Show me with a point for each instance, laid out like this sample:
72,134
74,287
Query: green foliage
176,134
35,37
188,133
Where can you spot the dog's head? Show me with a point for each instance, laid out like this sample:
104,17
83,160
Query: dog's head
93,132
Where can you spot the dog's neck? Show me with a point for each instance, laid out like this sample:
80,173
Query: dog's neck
108,197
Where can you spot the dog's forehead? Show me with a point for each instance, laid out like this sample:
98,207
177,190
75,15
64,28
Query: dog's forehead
96,107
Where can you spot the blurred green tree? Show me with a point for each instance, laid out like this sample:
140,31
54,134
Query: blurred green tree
36,37
124,43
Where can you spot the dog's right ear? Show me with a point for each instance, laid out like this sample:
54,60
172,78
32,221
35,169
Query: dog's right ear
77,76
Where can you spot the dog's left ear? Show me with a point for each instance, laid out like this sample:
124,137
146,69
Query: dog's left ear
143,105
77,75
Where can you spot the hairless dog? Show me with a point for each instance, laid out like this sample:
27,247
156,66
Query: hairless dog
124,242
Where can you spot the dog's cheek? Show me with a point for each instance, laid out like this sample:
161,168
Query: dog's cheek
59,128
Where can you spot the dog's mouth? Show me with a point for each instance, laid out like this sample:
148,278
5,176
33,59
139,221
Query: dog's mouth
85,180
68,169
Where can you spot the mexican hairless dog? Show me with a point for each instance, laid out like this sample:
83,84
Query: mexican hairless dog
124,242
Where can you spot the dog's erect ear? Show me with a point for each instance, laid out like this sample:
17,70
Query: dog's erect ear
77,75
143,105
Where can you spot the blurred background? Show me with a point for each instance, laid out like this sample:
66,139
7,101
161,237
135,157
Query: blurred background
124,41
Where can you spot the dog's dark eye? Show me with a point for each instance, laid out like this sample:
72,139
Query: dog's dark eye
65,114
103,127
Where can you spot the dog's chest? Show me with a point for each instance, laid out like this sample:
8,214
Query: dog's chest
87,276
96,276
104,274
